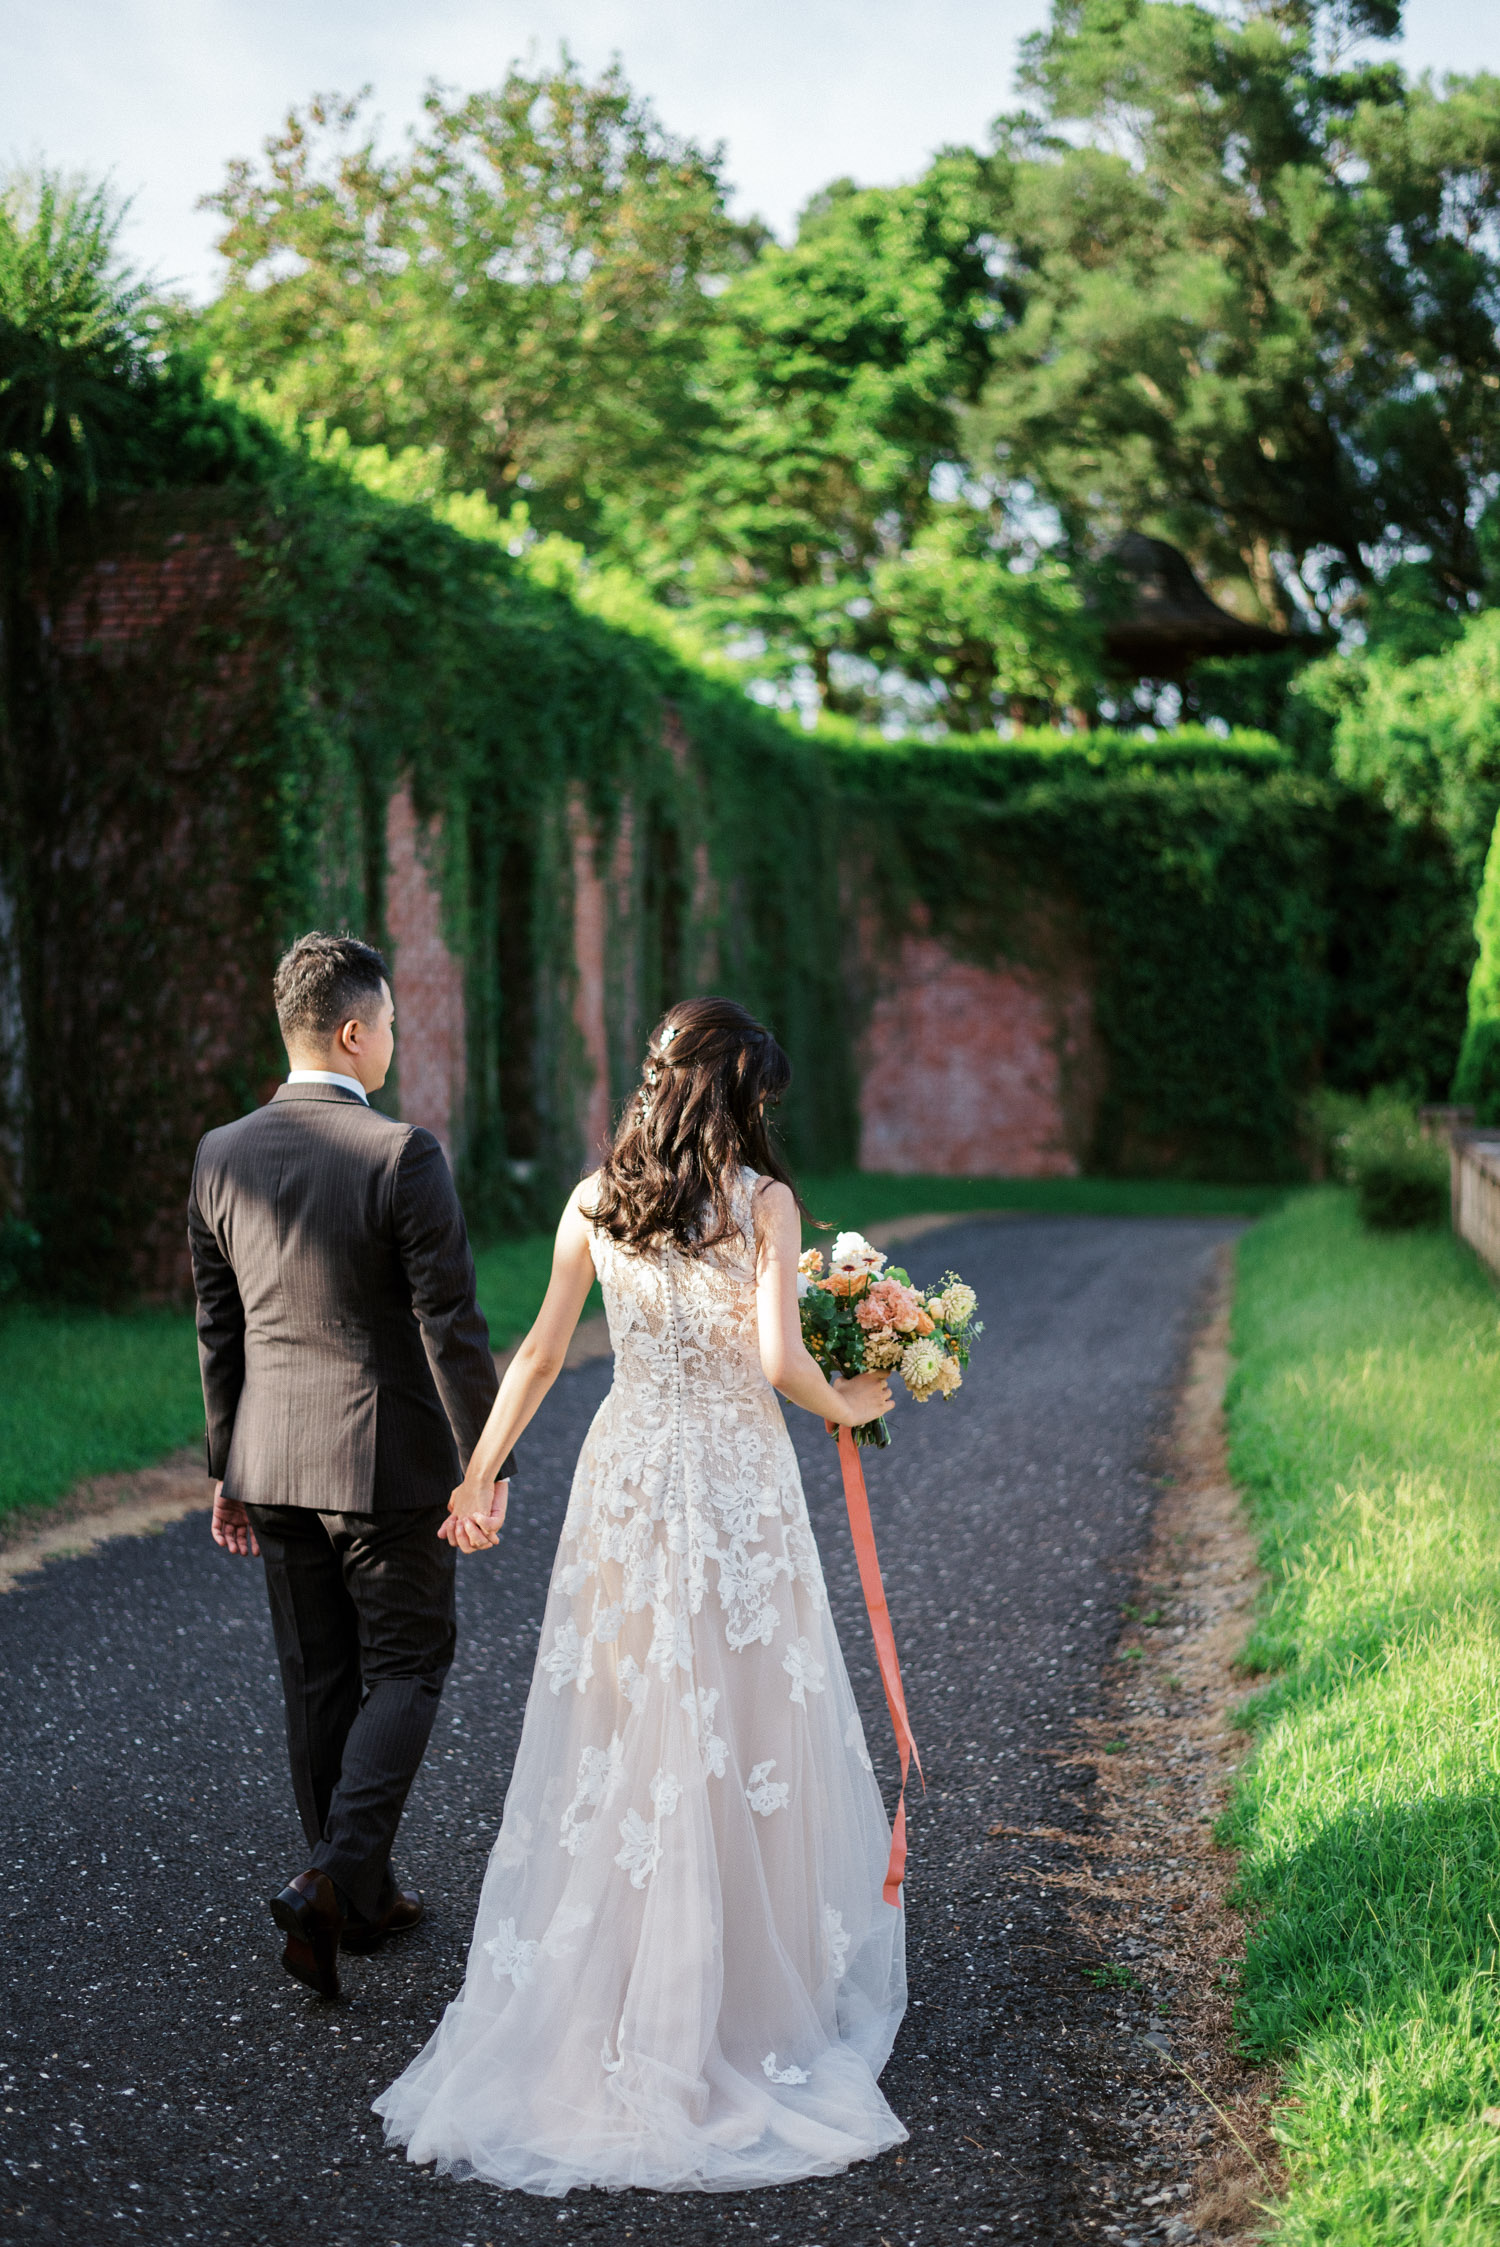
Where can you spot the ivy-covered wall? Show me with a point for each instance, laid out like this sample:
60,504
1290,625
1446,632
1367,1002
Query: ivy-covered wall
211,701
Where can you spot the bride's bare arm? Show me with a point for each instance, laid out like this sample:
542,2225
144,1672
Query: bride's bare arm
528,1377
784,1356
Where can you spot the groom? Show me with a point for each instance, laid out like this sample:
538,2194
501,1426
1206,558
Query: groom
346,1376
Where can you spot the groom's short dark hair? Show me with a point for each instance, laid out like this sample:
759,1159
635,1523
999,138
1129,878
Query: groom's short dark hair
323,982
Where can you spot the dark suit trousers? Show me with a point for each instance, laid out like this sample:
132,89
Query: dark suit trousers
362,1609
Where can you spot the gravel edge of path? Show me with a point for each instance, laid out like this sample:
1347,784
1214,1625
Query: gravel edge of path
1167,1750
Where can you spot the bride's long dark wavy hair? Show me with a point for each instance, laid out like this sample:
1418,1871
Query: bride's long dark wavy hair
711,1072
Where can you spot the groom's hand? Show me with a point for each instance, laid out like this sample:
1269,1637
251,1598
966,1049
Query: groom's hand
475,1517
231,1525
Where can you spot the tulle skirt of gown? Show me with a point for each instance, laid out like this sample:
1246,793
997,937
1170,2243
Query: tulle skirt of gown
683,1974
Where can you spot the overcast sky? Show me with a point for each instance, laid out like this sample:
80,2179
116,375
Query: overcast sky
161,93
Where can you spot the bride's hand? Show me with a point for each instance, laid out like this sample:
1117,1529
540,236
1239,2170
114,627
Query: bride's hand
864,1397
475,1517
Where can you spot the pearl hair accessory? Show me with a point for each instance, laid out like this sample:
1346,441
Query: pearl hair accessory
649,1073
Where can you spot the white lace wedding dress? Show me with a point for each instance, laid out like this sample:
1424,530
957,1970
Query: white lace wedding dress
683,1974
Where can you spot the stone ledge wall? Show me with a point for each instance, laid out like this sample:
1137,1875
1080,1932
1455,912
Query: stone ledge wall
1475,1159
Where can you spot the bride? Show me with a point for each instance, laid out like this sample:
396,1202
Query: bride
683,1974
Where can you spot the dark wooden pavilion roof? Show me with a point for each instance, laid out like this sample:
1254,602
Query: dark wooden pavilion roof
1172,623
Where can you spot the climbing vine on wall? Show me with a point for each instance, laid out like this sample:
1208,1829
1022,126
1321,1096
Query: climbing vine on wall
221,779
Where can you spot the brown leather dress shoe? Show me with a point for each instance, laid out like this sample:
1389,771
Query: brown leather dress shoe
310,1913
363,1935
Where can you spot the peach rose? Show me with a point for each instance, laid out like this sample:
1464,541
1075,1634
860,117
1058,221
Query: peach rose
898,1305
884,1302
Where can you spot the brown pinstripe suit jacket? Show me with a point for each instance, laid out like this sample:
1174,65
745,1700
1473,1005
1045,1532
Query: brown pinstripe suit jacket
341,1346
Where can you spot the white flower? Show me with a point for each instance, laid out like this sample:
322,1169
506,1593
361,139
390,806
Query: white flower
745,1582
671,1645
572,1579
782,2075
511,1955
836,1941
666,1793
571,1658
804,1669
851,1252
920,1363
700,1706
957,1304
641,1853
765,1794
634,1683
607,1621
600,1771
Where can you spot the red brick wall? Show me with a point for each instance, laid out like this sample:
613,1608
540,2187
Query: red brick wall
143,852
429,983
965,1071
124,598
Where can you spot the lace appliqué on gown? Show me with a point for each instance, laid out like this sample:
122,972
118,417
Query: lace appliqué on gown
683,1973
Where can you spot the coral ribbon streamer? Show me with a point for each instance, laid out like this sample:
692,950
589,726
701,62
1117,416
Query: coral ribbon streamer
856,1498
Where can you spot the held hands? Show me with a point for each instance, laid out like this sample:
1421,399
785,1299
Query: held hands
864,1397
475,1517
230,1526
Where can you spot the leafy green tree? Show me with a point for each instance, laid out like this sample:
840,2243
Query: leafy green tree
1424,735
89,396
835,373
73,343
528,285
1260,278
996,636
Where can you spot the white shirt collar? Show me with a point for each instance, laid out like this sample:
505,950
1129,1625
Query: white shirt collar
328,1076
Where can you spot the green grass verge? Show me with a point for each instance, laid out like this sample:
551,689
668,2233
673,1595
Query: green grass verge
851,1198
512,1278
94,1392
91,1393
88,1393
1365,1425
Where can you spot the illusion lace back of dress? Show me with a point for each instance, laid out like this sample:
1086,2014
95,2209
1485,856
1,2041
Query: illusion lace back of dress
683,1974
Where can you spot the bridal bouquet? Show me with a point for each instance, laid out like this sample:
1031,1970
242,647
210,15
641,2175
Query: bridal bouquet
860,1316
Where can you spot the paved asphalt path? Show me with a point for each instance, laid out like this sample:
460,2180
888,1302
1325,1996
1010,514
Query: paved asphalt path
163,2080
